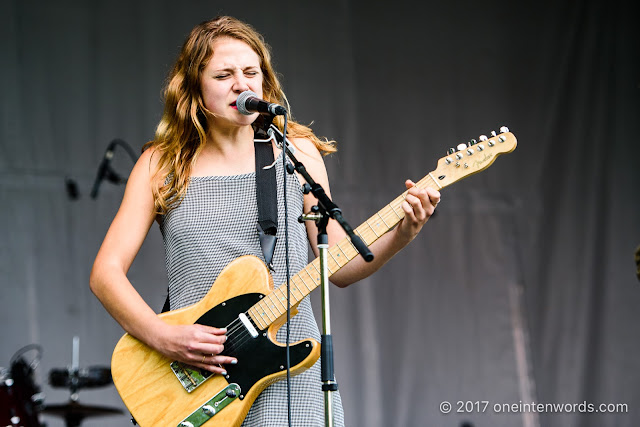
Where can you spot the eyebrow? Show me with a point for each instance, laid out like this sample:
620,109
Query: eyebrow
231,69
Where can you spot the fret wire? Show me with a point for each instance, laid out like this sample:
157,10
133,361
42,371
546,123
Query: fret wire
253,317
295,285
303,282
277,298
387,218
384,222
315,280
372,229
313,264
394,211
282,290
270,308
264,312
353,247
349,244
329,270
360,233
283,298
345,255
260,322
334,260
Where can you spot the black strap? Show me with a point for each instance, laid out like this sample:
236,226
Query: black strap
267,199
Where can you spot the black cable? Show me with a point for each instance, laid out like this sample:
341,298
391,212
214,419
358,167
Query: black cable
127,148
286,249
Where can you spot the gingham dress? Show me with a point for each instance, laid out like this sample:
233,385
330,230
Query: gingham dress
216,223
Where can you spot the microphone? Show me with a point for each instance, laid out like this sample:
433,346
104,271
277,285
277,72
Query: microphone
104,170
249,103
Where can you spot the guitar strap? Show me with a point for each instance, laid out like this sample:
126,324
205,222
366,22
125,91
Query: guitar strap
267,200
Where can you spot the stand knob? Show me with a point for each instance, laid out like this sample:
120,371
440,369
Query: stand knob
290,168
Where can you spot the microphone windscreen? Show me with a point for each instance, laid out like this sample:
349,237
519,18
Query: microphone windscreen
242,101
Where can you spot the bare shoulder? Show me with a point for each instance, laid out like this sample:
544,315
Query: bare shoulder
149,159
305,147
146,166
307,153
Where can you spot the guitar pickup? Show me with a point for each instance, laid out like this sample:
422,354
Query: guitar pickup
247,324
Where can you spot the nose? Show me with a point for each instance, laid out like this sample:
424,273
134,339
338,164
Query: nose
240,84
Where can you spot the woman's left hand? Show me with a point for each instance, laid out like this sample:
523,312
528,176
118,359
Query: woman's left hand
418,207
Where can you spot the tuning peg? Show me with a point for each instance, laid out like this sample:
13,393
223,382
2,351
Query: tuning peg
482,138
504,129
472,142
461,147
451,151
493,133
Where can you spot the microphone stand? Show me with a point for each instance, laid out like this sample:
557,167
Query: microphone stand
320,214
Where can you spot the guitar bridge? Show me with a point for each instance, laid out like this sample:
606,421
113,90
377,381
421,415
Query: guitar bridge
189,377
214,405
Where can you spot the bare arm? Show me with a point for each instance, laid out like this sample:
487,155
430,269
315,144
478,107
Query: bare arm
187,343
418,207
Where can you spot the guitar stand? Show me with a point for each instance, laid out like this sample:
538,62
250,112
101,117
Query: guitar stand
320,214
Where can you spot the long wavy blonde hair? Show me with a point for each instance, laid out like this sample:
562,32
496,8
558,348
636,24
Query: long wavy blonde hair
182,131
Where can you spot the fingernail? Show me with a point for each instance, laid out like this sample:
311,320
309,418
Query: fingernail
224,373
234,362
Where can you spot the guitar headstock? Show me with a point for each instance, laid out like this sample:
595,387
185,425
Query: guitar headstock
473,157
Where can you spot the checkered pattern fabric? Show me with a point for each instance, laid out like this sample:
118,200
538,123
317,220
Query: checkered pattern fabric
216,223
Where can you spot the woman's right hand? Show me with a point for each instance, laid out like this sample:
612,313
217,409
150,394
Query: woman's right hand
196,345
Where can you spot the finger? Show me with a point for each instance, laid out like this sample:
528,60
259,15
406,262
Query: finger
434,196
417,206
208,338
421,195
211,329
214,349
409,184
221,360
409,213
215,368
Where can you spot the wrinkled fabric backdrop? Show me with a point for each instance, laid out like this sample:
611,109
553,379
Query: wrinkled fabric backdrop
522,288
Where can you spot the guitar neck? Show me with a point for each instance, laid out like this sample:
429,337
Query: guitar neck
274,305
475,158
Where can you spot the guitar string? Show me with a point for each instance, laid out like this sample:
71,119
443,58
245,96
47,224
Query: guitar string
238,335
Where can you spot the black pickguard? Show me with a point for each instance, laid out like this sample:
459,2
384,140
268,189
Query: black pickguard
257,357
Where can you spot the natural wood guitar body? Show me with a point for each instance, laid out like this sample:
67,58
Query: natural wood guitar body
151,390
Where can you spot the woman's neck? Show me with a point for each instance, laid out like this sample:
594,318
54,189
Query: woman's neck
227,152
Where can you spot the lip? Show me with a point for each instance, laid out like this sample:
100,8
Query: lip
233,105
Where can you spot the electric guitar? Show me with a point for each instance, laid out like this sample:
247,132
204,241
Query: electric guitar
161,392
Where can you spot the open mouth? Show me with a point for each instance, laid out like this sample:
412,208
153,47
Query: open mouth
233,105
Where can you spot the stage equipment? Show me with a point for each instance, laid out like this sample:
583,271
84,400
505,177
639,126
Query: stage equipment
320,214
75,378
73,412
20,397
249,103
105,171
